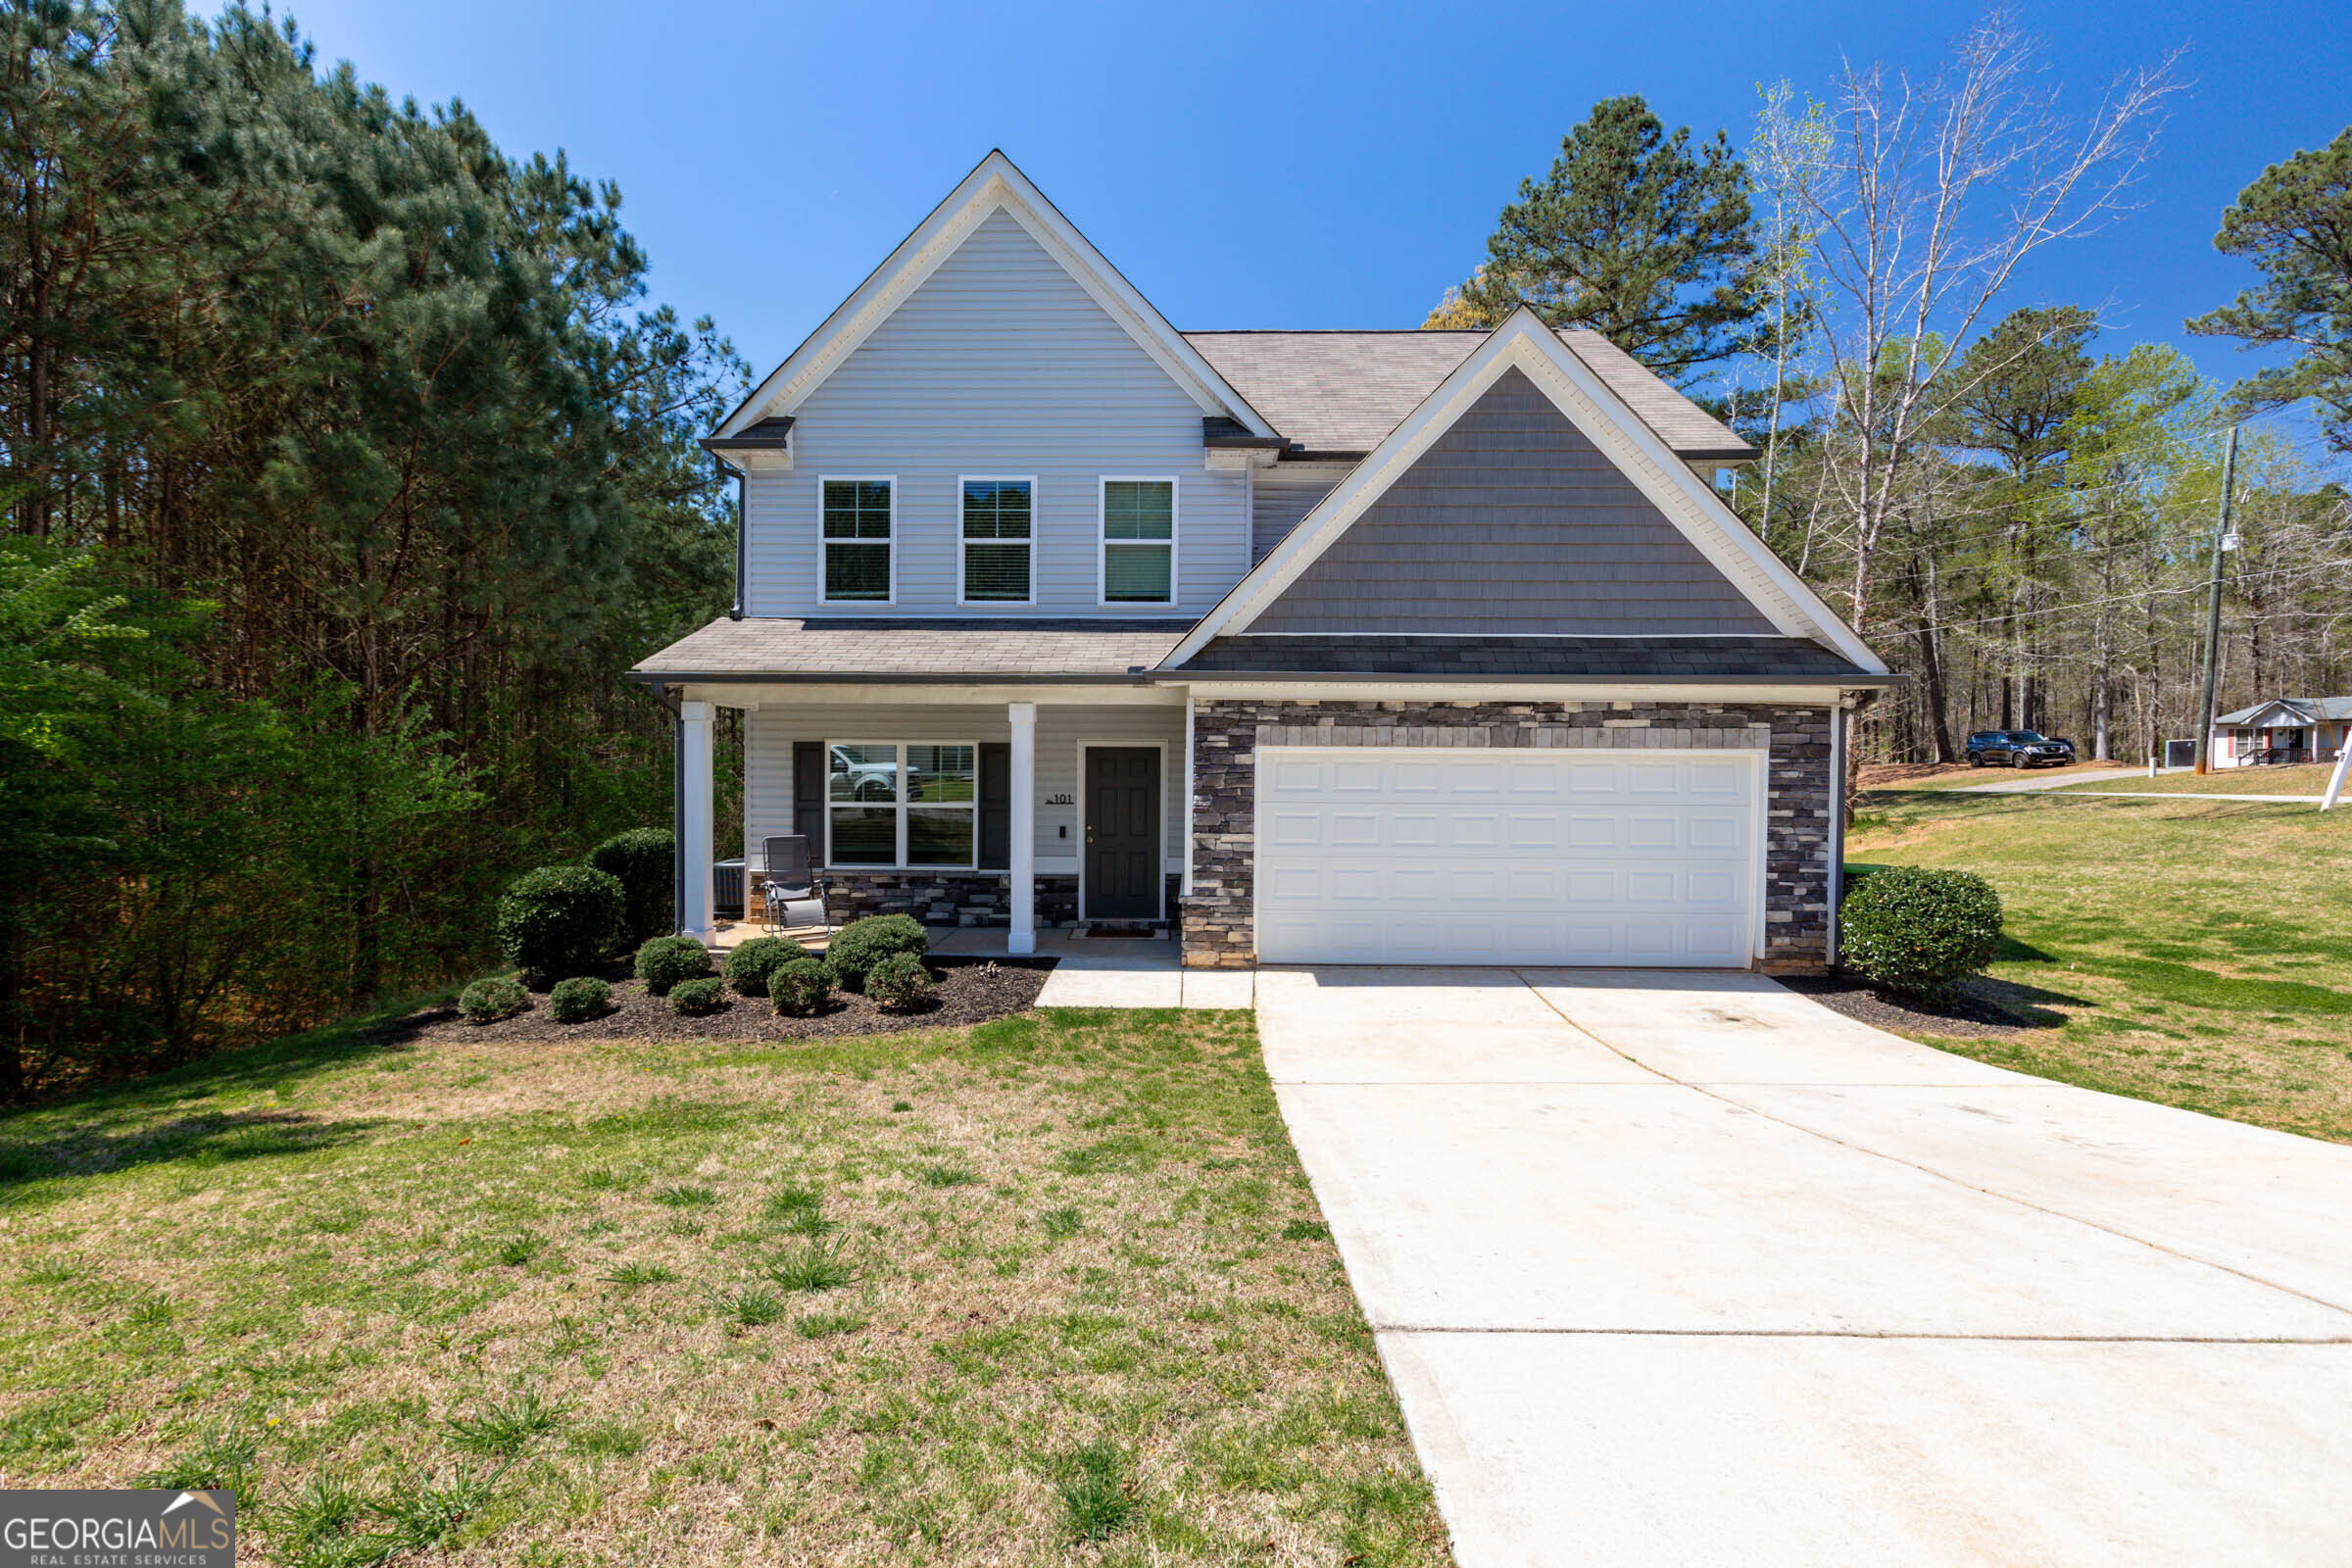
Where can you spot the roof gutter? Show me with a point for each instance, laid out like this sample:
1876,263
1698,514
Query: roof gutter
846,677
1190,677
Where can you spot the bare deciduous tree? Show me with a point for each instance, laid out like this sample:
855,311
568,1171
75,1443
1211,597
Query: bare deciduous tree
1925,201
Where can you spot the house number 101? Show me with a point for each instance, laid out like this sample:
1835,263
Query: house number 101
1058,799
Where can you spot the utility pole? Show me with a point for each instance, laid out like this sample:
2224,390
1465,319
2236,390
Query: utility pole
2222,541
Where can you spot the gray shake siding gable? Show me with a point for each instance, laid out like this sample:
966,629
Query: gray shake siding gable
1513,522
1227,737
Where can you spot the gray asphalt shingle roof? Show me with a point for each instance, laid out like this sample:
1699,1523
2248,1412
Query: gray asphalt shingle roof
2330,709
853,647
1565,657
1343,392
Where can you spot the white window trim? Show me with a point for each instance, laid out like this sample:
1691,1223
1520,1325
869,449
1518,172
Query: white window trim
1102,486
956,532
1159,882
900,805
824,546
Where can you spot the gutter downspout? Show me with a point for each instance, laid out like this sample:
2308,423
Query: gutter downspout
735,612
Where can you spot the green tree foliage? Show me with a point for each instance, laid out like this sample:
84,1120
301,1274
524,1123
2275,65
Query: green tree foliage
2296,225
367,467
1640,236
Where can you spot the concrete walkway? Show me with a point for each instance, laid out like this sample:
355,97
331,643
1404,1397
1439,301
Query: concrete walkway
1684,1269
1114,972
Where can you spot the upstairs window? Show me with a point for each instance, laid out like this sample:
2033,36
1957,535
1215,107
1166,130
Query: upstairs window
996,541
858,518
1139,541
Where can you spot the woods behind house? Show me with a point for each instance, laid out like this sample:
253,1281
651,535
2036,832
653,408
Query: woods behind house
347,466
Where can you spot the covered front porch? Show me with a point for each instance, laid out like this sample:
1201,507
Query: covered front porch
1024,808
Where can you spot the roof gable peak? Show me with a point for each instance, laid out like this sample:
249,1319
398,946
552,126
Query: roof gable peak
1526,343
994,185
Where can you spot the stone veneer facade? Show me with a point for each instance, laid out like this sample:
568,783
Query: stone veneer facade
954,897
944,898
1216,922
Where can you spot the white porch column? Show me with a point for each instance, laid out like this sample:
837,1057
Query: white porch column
694,896
1023,717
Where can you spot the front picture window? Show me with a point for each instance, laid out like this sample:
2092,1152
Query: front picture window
894,805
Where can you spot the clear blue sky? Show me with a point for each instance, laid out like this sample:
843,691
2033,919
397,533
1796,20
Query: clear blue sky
1263,166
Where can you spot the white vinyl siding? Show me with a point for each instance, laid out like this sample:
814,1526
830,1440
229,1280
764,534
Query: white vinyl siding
1283,496
999,364
770,730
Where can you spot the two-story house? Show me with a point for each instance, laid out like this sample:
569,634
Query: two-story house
1379,647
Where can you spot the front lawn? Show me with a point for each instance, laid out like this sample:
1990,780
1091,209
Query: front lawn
2303,778
1049,1290
2201,953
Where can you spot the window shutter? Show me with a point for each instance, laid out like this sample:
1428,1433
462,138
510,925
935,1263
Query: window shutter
809,795
996,805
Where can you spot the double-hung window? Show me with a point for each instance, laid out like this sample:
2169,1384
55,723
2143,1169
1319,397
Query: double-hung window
998,530
1138,542
858,526
894,804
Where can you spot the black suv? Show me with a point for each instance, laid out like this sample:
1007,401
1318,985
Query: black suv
2019,748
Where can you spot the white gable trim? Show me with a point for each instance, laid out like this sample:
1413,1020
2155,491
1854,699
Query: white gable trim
1524,343
995,185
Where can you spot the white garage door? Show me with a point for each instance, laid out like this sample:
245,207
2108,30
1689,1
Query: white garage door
1531,857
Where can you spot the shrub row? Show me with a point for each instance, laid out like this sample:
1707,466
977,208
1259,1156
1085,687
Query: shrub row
563,921
548,923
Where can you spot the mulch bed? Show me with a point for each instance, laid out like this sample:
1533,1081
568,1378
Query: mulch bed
1984,1008
965,990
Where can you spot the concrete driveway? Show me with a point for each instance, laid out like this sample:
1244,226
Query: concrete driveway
1684,1268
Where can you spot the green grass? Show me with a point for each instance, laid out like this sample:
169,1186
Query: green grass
2194,952
2305,779
582,1302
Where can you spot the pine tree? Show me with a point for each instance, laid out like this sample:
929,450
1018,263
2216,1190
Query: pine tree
2296,225
1633,234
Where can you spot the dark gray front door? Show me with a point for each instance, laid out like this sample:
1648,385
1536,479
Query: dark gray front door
1122,833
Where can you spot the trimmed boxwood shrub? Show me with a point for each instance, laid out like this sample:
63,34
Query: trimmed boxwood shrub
666,961
861,943
644,858
801,988
748,967
1918,931
694,997
899,981
488,1000
578,999
560,920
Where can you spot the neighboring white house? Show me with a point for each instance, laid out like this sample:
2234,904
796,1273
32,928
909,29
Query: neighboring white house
1394,646
2285,729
